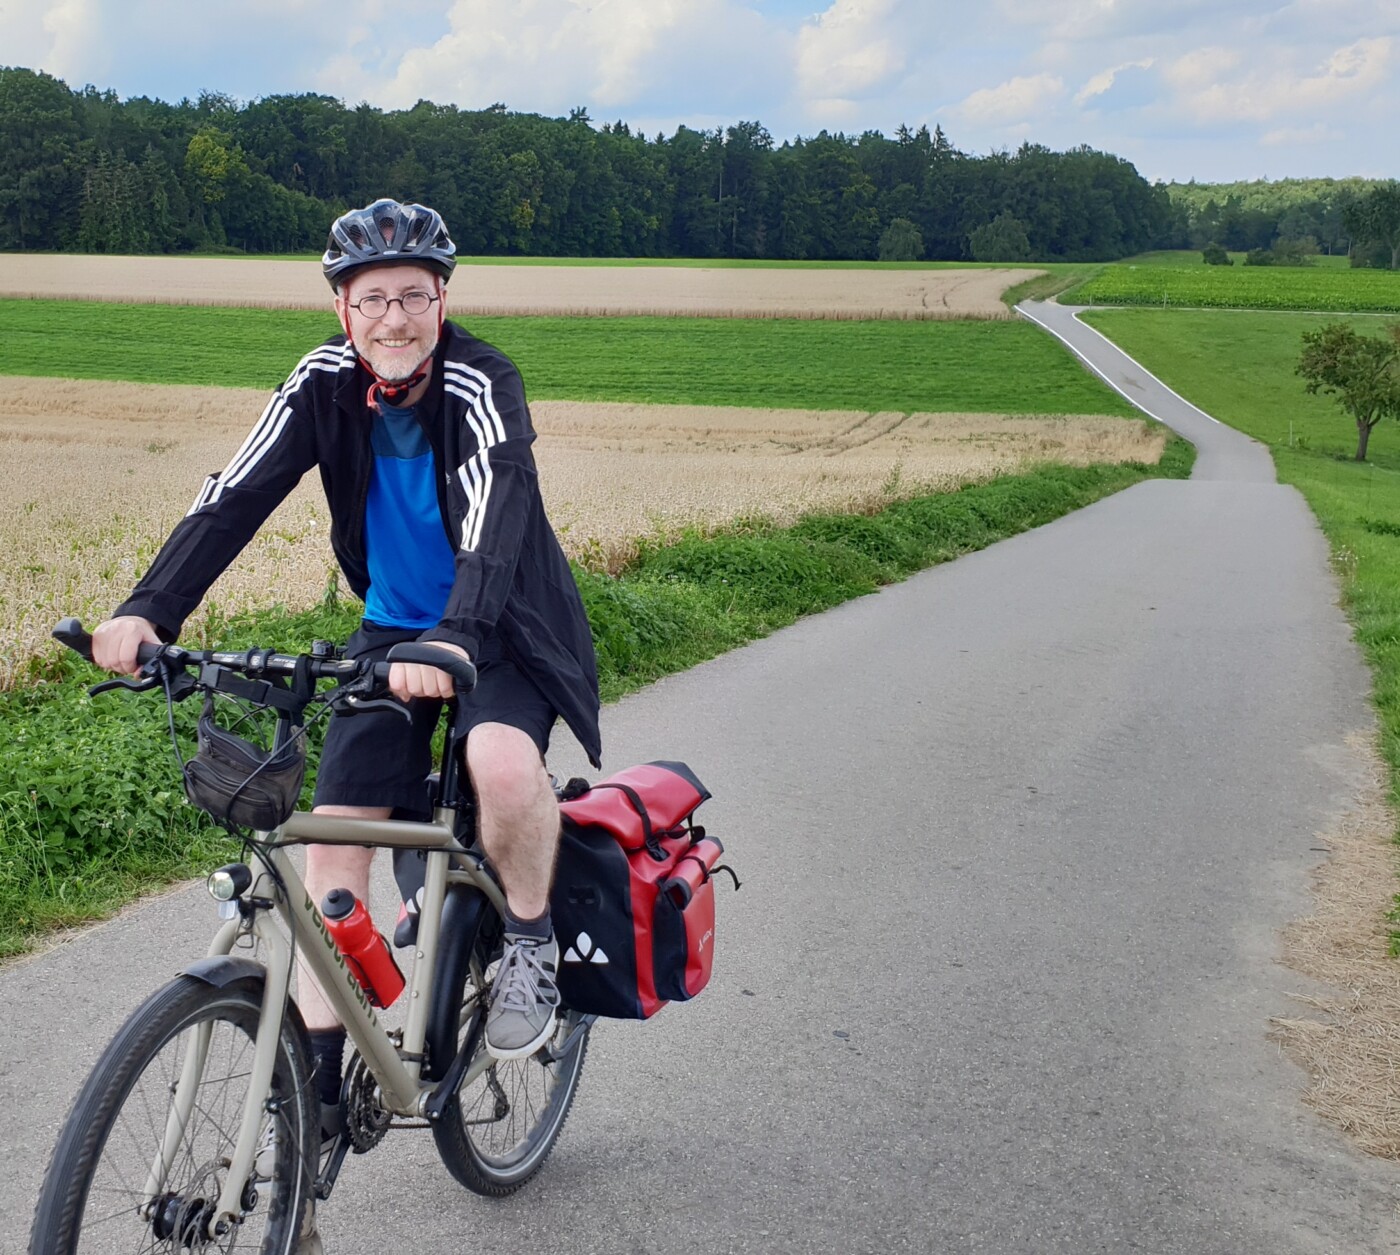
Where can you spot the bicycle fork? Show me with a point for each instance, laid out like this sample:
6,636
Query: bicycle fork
276,962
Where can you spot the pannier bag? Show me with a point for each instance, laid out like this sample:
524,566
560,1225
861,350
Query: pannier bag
633,902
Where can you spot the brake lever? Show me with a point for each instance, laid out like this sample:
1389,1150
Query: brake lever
134,686
352,705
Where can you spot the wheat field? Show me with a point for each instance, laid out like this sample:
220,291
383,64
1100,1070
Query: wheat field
570,291
93,475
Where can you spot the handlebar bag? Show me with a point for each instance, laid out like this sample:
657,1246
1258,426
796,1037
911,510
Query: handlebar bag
632,903
241,784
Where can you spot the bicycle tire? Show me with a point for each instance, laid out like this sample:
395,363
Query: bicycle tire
92,1198
494,1136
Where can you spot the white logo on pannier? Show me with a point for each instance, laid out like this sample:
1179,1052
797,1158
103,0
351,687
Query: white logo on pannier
584,951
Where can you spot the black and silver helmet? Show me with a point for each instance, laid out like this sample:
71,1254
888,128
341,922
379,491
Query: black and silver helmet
387,232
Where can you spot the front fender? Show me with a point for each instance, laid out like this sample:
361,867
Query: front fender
226,969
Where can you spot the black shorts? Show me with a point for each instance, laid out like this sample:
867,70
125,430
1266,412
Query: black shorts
381,759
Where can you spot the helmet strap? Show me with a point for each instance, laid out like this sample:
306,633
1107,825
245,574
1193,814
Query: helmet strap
393,392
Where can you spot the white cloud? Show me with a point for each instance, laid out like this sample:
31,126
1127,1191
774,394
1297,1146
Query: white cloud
847,51
545,55
1102,81
62,38
1012,103
1209,92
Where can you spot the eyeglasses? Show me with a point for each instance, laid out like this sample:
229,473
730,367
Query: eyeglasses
409,302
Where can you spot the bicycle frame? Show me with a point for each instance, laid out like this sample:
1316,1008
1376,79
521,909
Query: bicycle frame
398,1070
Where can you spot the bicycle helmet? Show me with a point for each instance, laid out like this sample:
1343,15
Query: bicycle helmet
387,232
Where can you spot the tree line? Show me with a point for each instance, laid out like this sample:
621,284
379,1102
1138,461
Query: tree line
1359,218
84,170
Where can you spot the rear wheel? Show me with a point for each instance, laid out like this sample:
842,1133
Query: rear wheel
498,1130
95,1198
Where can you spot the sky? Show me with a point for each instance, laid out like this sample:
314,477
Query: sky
1212,90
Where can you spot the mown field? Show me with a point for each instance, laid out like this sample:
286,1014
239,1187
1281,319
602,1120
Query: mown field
1198,286
960,367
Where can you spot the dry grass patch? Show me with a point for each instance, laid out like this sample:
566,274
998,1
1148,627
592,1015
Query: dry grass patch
1351,1046
666,291
93,475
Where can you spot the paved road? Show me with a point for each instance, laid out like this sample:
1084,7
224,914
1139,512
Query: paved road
1017,837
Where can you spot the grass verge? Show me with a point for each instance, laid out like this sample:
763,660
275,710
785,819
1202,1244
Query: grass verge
989,367
1239,368
90,807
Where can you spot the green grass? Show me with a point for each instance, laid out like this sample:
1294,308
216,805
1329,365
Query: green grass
1239,368
1322,289
91,811
996,367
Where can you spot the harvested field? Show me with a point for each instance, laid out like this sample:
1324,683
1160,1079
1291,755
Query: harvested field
93,476
532,290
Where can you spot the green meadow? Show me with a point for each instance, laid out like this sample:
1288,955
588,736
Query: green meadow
992,367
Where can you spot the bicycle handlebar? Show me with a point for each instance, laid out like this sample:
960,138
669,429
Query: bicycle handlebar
258,662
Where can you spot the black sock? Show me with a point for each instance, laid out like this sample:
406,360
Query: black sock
541,927
328,1055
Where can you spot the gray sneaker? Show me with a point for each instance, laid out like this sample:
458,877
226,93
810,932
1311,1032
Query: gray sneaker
524,998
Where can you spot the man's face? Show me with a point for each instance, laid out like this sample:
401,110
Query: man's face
398,343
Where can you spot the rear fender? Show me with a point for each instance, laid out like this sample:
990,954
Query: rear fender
465,911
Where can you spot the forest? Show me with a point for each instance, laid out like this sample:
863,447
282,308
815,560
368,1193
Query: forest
82,170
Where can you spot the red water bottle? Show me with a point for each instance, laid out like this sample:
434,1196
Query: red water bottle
365,950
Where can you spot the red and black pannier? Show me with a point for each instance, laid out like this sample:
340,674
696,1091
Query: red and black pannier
633,903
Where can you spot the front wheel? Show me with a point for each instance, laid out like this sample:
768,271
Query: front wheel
95,1197
498,1130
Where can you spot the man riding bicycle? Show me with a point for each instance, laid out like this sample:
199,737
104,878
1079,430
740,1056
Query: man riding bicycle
422,436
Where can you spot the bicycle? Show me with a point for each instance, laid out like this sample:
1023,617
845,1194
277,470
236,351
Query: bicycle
199,1128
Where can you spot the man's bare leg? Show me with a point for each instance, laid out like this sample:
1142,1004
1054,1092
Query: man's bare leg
517,814
518,822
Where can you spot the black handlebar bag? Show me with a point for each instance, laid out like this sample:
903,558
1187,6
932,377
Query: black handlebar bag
633,903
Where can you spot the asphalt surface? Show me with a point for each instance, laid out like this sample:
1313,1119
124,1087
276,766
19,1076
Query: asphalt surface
1017,837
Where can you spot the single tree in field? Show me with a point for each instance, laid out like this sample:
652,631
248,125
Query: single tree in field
1363,372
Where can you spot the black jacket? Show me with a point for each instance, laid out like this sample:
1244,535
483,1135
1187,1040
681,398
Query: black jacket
512,576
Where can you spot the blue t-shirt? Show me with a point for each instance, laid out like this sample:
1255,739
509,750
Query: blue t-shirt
411,561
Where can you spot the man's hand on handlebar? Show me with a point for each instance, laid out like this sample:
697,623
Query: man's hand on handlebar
411,679
114,643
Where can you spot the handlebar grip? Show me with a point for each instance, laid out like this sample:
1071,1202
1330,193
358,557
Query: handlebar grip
70,632
429,655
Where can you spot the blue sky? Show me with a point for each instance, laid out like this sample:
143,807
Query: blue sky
1205,89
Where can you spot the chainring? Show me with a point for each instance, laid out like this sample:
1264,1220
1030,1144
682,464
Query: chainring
366,1120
